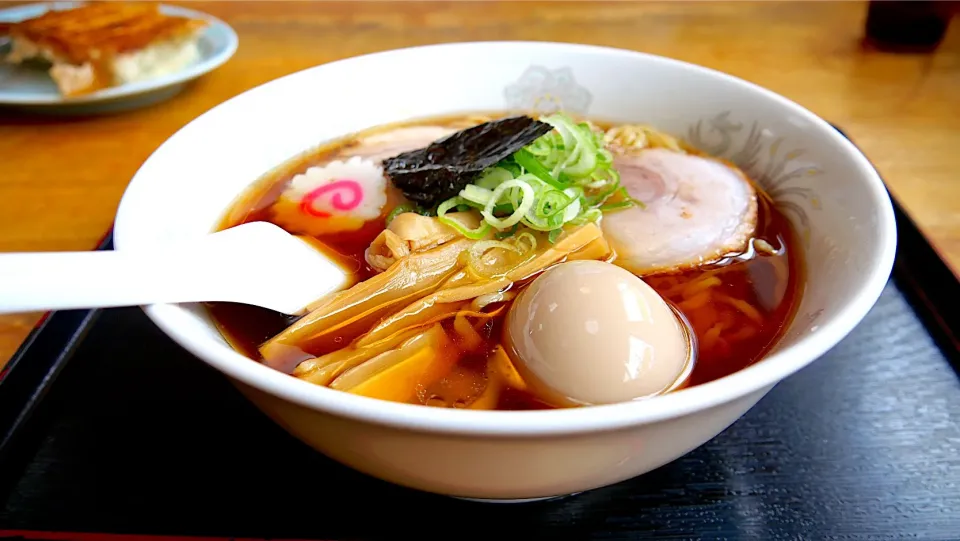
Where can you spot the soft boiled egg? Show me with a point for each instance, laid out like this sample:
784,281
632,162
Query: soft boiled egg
590,332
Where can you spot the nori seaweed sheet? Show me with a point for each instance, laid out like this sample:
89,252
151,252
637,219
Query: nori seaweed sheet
431,175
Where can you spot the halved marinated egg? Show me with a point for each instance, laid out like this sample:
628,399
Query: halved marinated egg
590,332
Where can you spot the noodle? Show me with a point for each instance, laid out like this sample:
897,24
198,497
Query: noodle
711,336
636,137
744,333
744,307
695,302
692,288
700,299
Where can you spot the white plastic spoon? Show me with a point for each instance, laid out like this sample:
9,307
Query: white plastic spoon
256,263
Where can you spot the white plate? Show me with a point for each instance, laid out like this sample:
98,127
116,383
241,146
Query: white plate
33,89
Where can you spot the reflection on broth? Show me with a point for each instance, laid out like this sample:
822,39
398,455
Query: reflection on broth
445,222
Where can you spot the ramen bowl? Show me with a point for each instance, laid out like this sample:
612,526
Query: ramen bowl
833,196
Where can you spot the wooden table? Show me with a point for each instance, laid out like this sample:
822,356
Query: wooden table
61,179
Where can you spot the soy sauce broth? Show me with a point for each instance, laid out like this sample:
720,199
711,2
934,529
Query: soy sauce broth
738,308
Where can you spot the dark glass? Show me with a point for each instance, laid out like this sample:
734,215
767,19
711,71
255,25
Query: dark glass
907,25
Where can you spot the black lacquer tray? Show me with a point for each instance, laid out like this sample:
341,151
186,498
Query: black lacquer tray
109,427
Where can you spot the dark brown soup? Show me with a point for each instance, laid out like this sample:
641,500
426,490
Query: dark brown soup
738,308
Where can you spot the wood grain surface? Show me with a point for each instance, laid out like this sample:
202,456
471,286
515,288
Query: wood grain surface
62,178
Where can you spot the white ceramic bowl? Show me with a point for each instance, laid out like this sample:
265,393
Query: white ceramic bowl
832,194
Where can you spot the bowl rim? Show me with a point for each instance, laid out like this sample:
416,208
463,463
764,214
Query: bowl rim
757,378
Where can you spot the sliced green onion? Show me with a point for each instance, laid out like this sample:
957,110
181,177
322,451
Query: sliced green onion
591,215
481,231
548,149
604,156
508,233
398,210
607,174
511,166
553,202
564,177
605,194
504,208
616,206
493,177
476,194
530,163
626,195
543,224
445,207
583,160
526,236
572,211
526,203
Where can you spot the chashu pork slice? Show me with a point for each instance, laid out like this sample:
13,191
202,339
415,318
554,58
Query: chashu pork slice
381,145
698,210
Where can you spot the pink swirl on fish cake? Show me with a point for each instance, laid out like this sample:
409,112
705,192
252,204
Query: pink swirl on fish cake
345,195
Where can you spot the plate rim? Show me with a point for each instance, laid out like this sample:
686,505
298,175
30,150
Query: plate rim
129,90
